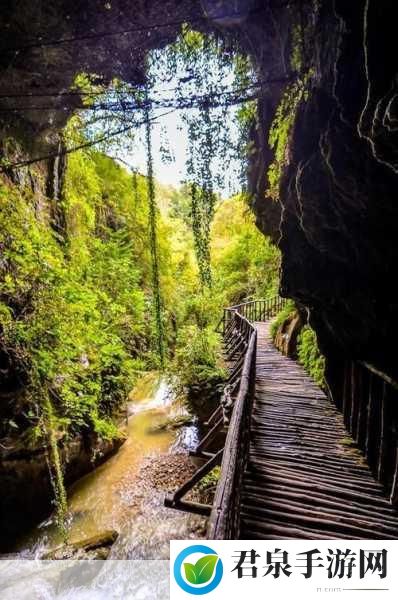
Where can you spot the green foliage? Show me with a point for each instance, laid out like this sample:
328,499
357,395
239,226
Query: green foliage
309,355
196,359
76,300
296,57
202,571
76,314
55,466
206,67
202,210
208,484
77,310
245,263
280,131
282,316
307,346
153,244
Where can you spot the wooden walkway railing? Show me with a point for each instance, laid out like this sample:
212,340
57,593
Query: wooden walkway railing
231,417
304,476
224,519
253,311
368,399
286,468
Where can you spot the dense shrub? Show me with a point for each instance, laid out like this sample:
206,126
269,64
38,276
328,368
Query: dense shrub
73,310
309,355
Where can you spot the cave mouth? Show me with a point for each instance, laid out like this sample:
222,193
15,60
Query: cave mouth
194,74
199,97
58,62
322,161
104,42
76,90
341,156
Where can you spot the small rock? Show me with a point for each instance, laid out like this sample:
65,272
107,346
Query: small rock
97,547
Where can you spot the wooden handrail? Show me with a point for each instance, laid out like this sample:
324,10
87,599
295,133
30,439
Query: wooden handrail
223,522
379,374
240,339
253,310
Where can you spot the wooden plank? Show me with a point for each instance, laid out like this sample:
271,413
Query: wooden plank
196,508
196,477
290,469
394,487
304,477
210,435
384,422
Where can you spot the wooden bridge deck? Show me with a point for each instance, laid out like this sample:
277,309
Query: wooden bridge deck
304,478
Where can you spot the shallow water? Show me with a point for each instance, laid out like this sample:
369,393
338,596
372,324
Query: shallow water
115,496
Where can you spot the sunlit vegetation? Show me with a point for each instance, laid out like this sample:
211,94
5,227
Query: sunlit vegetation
120,275
284,118
287,311
76,311
309,355
245,263
280,132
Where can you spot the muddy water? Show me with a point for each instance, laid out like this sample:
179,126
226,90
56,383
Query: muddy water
121,493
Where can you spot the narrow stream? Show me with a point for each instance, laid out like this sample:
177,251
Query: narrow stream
126,493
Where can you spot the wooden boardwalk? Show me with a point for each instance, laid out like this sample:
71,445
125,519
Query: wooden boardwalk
305,478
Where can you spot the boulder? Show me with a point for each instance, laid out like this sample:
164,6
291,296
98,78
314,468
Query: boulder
287,334
97,547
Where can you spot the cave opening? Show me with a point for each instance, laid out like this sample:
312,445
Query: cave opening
288,99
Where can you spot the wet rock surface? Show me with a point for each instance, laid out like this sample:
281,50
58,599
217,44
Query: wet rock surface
25,479
148,534
172,423
166,473
95,548
338,191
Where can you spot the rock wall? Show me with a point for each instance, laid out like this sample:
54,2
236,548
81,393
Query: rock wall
25,483
339,217
338,191
287,333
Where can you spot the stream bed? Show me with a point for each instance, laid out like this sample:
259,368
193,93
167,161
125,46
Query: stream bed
126,493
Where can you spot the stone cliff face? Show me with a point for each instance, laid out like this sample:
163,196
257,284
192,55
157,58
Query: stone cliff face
338,191
26,487
336,220
339,216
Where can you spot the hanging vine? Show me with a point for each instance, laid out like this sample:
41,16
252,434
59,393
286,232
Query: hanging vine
200,236
203,198
208,143
152,215
54,464
135,190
